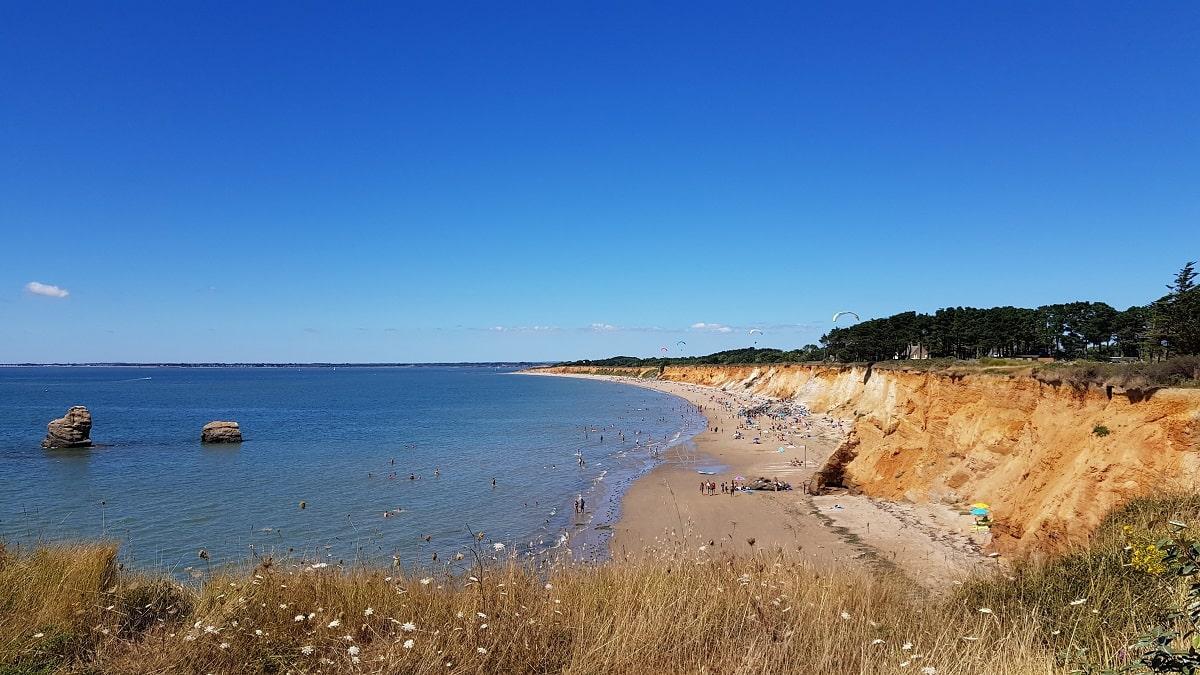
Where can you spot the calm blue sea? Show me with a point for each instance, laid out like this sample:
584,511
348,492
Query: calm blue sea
344,441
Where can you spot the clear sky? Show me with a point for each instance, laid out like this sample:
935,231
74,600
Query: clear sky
433,181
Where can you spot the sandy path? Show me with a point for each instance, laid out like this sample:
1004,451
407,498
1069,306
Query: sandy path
932,544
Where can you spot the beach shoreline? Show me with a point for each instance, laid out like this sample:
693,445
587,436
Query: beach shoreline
665,508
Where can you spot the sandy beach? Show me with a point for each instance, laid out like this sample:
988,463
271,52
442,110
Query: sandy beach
932,544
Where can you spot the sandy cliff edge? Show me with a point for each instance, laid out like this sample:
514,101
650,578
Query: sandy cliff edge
1027,447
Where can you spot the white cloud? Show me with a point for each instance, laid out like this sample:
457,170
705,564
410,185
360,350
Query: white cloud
48,290
603,328
711,327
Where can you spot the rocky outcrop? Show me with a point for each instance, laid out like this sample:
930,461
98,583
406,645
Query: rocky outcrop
221,432
1051,458
72,430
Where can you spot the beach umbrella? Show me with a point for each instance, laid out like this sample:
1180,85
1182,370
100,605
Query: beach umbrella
980,505
979,512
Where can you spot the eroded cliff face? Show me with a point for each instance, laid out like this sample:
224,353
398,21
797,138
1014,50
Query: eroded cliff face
1027,447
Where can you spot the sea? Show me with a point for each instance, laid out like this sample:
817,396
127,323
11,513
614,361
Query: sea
346,465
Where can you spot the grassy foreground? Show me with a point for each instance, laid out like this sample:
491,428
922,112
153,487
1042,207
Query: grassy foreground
68,608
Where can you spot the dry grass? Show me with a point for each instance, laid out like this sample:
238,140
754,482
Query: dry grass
673,613
67,608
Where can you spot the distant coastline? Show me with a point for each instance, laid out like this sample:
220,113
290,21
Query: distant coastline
117,364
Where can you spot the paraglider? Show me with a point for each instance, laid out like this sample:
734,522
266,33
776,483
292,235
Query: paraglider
751,333
681,342
839,314
664,349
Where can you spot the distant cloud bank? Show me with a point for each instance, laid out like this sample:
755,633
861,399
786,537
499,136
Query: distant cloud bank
712,327
47,290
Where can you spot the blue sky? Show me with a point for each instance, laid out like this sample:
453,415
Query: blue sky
478,181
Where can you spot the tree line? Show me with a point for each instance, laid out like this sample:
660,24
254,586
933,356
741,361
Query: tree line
1169,326
1075,330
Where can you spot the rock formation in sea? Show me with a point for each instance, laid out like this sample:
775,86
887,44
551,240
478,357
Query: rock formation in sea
72,430
221,432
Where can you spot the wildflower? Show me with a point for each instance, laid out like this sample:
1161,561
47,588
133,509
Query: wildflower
984,610
459,615
408,644
481,615
481,650
906,646
905,664
457,556
210,629
368,611
258,632
483,626
408,627
283,605
426,581
306,650
223,645
876,641
353,650
1080,601
299,618
549,586
335,623
929,670
498,546
845,616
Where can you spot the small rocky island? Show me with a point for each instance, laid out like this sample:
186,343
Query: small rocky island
221,432
72,430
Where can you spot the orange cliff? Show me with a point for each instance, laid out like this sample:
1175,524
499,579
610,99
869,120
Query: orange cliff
1028,447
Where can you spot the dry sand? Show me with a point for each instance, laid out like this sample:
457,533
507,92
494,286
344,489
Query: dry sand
932,544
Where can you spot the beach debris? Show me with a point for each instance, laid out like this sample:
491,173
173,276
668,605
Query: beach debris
72,430
767,484
221,432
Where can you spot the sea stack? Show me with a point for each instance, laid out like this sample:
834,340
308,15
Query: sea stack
72,430
221,432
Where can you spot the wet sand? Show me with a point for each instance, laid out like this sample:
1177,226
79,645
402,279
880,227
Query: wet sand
930,543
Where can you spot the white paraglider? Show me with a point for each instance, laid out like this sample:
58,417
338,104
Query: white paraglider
841,314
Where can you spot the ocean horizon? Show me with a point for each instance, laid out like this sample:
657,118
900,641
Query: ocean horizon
362,464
